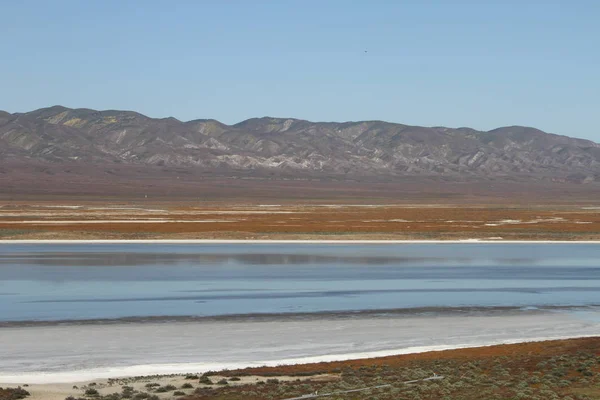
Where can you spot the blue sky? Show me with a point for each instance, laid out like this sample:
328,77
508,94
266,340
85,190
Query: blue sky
482,64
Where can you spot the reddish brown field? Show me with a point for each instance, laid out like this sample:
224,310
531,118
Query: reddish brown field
525,354
186,220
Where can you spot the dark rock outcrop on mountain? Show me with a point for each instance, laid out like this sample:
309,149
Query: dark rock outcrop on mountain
263,147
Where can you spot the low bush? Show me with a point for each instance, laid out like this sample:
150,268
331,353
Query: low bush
13,393
166,388
152,385
91,392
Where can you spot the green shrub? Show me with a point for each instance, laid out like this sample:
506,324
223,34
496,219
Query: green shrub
166,388
13,393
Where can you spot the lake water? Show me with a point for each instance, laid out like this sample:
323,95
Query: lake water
72,282
200,306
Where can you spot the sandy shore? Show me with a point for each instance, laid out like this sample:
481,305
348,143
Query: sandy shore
59,391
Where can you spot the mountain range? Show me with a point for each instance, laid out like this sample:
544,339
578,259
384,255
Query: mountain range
290,148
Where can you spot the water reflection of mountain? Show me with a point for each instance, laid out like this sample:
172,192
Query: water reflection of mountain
132,259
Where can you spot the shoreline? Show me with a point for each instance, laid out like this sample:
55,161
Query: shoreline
329,315
290,241
169,370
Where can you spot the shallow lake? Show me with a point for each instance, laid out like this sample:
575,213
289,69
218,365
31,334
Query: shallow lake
83,311
106,281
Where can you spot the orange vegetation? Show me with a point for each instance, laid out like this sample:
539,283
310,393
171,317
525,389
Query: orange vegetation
295,221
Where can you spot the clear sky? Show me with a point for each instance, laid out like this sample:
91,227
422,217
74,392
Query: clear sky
482,64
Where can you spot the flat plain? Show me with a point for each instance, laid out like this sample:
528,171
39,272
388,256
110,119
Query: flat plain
116,220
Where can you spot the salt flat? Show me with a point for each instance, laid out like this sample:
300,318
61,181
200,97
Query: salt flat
74,352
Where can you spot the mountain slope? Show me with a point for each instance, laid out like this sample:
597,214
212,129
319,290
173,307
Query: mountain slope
294,148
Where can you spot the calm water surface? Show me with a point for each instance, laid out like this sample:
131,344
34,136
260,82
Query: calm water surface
106,281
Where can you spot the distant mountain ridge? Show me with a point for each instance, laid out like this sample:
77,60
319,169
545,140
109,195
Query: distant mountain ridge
263,147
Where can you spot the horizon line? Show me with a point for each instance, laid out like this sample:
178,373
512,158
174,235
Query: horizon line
295,119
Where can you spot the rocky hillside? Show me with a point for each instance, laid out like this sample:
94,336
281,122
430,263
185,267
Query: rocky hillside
293,148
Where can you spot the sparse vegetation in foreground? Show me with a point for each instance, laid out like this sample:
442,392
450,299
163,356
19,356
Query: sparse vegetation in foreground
13,393
558,370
